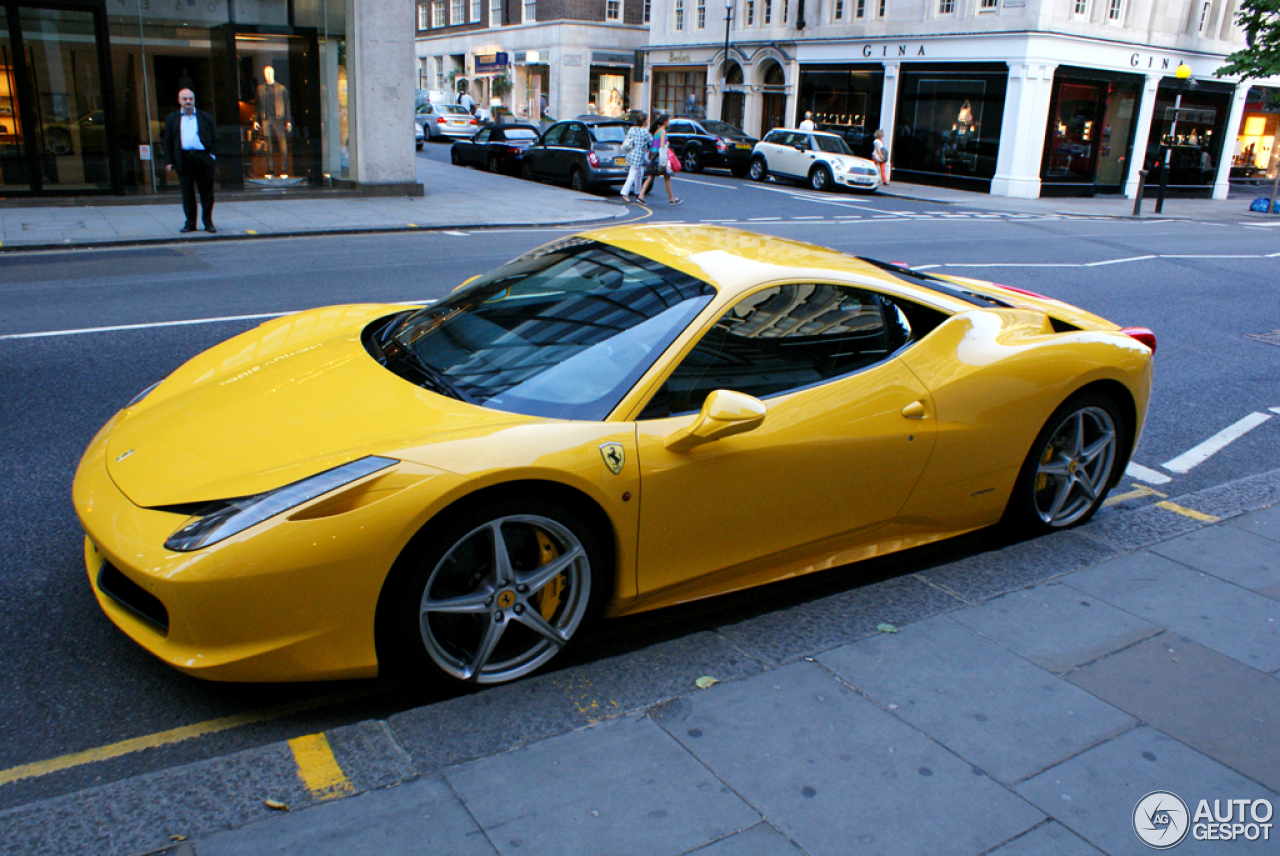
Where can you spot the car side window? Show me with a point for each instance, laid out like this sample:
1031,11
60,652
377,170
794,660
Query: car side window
576,137
554,135
781,339
777,138
483,136
680,128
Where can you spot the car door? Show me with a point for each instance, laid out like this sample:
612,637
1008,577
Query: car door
542,156
474,150
679,134
577,142
787,157
845,438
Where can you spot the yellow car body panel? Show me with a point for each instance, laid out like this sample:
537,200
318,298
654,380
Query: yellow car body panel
921,446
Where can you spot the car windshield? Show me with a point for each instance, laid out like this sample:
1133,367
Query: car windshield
562,332
520,134
831,145
718,127
610,133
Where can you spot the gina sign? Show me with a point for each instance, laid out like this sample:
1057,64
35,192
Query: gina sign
893,50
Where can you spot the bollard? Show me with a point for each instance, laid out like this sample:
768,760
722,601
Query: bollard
1164,180
1137,200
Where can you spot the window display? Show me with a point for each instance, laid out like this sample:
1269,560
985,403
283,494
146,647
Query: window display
844,101
949,124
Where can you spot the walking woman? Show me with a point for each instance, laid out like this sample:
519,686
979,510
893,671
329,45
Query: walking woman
636,147
880,154
659,134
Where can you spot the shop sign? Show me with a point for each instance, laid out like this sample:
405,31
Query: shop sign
893,50
530,57
491,63
1152,61
677,57
612,58
573,59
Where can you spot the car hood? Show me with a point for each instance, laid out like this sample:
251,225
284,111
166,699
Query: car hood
850,161
294,397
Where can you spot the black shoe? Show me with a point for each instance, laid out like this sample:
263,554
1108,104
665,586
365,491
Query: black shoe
189,227
208,227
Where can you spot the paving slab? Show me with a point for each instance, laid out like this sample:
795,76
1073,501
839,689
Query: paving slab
1051,839
1244,558
1055,626
413,819
987,574
991,707
1180,687
1219,615
1264,523
1095,793
836,774
760,840
619,787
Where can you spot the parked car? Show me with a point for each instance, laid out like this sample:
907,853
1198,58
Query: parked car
418,135
703,143
820,159
586,153
497,148
445,120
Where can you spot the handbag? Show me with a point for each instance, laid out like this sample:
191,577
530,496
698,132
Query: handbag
673,162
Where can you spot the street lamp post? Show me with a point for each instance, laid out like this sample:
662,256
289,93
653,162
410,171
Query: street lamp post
724,89
1181,73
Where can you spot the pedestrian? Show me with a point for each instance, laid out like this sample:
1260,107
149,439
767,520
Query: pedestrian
467,102
636,147
880,155
191,150
807,124
662,162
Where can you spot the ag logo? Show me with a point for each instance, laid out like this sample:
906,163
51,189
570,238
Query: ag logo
613,456
1160,819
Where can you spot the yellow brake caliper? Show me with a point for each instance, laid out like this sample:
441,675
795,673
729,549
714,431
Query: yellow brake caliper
549,597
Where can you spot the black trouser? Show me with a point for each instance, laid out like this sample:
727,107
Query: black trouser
277,140
196,172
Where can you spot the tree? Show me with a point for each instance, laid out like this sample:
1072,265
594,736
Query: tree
1260,20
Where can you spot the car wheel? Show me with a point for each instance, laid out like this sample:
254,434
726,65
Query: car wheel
820,178
1072,465
455,158
492,163
578,180
419,145
493,592
527,173
759,171
690,161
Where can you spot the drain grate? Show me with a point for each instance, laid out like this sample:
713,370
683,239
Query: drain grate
1272,338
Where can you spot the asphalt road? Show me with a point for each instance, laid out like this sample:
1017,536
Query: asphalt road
72,682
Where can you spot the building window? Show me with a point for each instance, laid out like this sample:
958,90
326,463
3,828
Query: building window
768,11
1080,8
1115,11
424,72
647,4
786,8
701,22
455,13
495,13
884,5
1204,16
859,8
476,5
424,17
530,11
988,5
838,10
751,13
679,14
437,13
946,7
613,10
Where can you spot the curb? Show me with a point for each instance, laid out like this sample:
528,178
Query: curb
156,813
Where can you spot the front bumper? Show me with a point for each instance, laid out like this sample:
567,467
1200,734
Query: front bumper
859,182
293,598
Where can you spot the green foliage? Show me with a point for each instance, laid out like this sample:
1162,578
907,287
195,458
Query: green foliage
1260,20
501,84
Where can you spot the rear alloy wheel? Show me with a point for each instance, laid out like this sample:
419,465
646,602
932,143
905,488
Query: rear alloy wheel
578,180
492,163
690,161
820,178
1071,466
455,158
496,593
527,173
759,171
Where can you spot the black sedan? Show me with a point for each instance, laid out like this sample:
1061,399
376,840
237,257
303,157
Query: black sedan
586,153
497,148
703,143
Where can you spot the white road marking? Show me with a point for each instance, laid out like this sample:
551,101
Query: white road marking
456,233
1118,261
1274,409
1200,454
1142,474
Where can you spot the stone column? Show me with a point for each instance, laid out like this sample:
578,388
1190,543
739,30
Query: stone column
1142,133
889,105
1026,117
1222,184
380,73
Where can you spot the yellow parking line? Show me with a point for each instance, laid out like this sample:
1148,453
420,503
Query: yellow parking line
318,769
164,738
1188,512
1140,490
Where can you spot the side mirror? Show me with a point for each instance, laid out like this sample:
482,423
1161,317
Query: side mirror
724,414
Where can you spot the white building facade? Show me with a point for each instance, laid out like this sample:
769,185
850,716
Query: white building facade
1022,98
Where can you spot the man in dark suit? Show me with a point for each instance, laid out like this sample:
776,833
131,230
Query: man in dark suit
190,149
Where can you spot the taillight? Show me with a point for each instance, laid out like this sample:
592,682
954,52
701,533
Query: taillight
721,145
473,121
513,150
591,159
440,120
1022,291
1143,335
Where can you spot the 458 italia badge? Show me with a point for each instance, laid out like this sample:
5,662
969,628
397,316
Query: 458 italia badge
613,456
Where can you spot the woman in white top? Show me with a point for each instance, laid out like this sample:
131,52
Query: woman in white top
880,155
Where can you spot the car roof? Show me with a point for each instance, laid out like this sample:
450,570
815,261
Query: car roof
803,131
591,119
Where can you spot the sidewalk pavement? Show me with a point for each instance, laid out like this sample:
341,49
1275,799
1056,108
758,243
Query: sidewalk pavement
465,198
1016,701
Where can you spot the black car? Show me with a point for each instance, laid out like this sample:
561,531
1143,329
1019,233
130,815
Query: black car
585,152
497,148
703,143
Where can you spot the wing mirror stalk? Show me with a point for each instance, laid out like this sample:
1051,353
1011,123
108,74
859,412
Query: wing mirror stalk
724,414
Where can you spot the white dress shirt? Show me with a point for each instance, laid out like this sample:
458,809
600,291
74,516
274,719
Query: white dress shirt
190,129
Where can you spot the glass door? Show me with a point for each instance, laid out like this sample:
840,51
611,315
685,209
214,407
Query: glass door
14,173
1116,136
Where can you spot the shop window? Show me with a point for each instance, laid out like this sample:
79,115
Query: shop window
610,92
1191,124
680,93
1255,158
613,10
843,102
701,22
949,123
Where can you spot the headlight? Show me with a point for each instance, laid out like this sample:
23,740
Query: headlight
221,520
839,166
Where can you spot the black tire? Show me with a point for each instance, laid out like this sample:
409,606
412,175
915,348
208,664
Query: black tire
492,164
527,171
455,158
478,604
1075,459
820,178
759,170
578,180
692,160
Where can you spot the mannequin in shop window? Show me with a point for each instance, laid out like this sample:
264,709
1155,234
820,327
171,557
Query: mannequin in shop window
275,120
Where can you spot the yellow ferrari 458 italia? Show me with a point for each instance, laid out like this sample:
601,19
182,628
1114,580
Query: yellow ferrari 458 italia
622,420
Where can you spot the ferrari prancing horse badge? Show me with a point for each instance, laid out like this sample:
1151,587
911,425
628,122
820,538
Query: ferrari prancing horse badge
613,456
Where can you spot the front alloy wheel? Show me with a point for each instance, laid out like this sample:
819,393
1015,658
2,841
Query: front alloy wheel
759,171
820,178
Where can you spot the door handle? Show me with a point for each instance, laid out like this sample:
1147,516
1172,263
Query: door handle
915,410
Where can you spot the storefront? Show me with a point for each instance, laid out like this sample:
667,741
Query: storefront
1089,136
87,88
1188,133
530,95
1255,158
679,91
844,100
948,124
610,85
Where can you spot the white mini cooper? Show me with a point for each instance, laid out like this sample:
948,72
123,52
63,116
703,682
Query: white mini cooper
819,159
